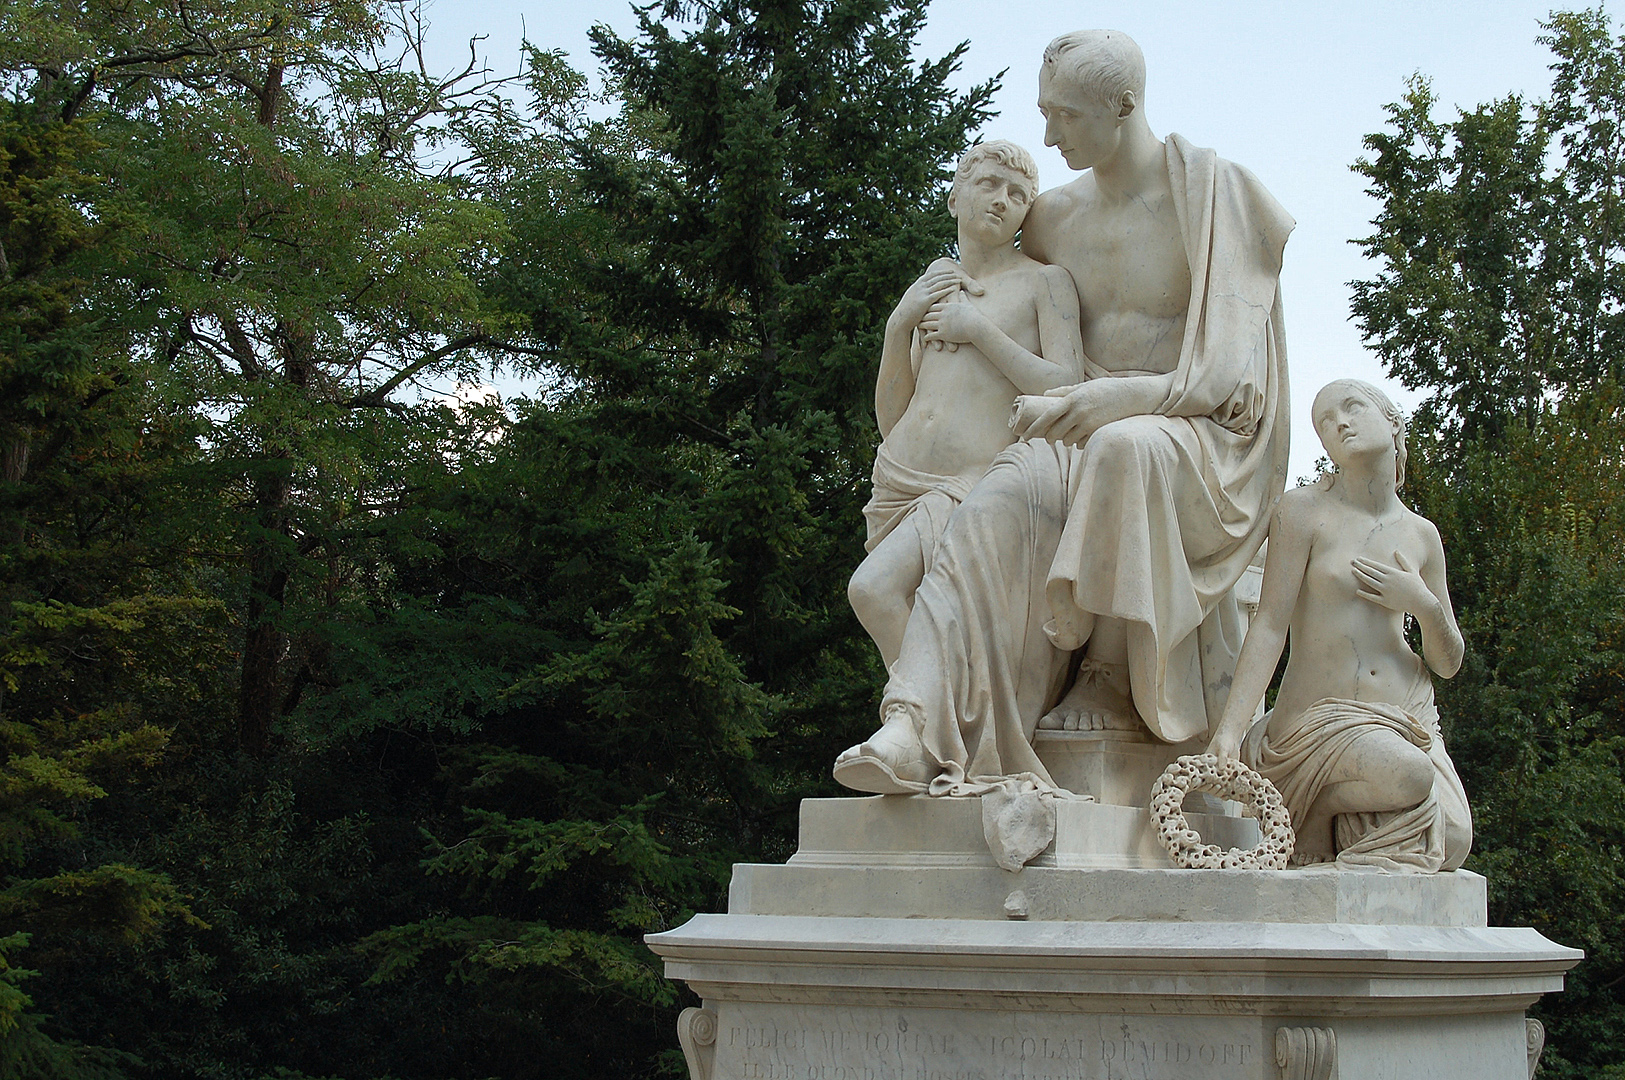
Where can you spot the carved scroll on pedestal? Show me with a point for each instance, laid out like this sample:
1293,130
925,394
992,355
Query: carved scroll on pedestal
1306,1053
1534,1033
697,1034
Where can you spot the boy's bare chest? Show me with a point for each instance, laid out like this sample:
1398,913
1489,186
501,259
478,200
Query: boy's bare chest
1011,303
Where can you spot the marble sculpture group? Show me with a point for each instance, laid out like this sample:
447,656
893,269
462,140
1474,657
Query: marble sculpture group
1085,445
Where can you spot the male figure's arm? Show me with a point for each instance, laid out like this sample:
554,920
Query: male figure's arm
1070,414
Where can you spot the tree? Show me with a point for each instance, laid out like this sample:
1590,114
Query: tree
236,239
409,720
1498,288
303,250
677,520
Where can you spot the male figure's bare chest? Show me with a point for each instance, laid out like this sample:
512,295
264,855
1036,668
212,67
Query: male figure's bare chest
1128,257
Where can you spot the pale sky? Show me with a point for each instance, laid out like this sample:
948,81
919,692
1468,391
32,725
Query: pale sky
1287,89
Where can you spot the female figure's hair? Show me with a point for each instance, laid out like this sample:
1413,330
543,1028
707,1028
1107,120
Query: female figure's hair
1390,412
1004,152
1103,63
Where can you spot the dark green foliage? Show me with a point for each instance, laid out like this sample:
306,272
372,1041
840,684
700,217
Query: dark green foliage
352,734
674,527
1499,288
346,733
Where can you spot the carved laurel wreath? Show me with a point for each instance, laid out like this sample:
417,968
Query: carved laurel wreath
1232,780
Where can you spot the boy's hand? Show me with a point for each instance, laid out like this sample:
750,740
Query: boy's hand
940,281
954,322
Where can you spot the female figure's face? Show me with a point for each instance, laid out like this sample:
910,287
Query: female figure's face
1350,424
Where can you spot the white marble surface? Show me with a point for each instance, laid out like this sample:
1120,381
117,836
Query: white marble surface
1115,767
1119,526
943,408
795,996
1353,741
847,964
770,1042
1106,895
913,831
892,946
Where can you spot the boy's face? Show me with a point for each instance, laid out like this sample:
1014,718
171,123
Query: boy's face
991,203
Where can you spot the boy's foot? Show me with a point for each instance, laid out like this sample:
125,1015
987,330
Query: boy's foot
1098,701
891,762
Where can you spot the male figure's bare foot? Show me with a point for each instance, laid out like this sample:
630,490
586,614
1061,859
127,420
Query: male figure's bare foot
892,760
1098,701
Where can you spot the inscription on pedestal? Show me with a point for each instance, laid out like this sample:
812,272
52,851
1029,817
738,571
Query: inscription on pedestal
766,1042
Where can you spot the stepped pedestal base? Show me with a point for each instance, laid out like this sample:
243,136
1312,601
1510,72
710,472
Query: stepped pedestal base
890,966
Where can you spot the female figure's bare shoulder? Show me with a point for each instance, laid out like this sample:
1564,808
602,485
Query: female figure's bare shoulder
1429,543
1303,509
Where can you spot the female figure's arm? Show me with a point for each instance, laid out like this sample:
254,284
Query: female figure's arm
1424,594
1290,537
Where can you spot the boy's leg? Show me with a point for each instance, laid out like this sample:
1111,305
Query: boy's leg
882,588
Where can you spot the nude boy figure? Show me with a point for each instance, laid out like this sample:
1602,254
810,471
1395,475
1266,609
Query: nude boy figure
1353,742
1119,524
944,412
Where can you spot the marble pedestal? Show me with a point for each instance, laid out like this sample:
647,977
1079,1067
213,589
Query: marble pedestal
891,947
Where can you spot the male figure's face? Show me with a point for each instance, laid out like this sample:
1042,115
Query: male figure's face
1083,127
991,203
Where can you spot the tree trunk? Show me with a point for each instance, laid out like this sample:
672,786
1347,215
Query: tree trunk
271,555
260,691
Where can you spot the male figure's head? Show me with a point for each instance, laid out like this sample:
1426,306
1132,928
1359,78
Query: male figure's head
1090,85
994,186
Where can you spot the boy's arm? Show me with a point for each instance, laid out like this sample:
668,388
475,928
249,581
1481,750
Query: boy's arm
894,388
1032,374
1070,414
1060,326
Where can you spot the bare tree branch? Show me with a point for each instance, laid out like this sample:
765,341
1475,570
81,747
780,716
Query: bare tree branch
380,394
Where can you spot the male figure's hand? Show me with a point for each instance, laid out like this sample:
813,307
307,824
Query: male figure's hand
1067,414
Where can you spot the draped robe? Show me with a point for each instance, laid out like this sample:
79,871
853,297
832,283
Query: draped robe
1300,758
1152,520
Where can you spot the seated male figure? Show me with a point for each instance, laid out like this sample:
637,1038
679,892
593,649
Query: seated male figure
1120,523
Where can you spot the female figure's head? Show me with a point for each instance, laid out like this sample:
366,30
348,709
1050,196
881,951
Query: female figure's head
1353,419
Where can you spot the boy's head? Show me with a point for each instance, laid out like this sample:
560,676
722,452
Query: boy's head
994,185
